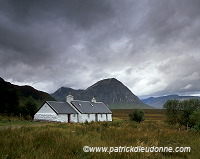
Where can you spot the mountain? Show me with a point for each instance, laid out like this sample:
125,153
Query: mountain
7,91
158,102
26,91
62,92
110,91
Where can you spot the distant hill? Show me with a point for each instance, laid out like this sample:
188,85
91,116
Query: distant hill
26,91
158,102
110,91
23,92
62,92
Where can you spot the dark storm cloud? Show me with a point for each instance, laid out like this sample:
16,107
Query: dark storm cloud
149,44
84,14
28,28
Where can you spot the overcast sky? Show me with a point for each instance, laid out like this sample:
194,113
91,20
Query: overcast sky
153,47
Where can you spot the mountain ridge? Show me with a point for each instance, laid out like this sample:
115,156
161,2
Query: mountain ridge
110,91
158,102
24,91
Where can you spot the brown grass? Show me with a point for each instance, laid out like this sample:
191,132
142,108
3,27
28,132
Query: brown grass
150,114
67,140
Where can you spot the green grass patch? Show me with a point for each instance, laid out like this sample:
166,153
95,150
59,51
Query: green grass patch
5,121
16,122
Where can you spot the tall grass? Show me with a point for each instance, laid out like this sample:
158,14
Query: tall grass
67,140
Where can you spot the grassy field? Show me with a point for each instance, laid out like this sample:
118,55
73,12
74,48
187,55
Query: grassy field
63,140
150,114
16,122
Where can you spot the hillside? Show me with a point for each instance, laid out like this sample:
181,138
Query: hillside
26,91
110,91
158,102
9,91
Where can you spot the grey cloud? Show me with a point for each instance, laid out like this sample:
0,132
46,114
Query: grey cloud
33,29
129,71
75,43
168,20
180,66
181,74
84,13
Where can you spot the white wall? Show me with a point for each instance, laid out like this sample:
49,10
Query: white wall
48,117
57,118
109,116
100,117
45,109
73,118
45,113
84,117
64,118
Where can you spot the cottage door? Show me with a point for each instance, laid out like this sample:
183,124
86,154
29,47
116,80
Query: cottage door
68,118
96,117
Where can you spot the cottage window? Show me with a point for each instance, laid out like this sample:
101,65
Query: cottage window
101,115
74,115
88,115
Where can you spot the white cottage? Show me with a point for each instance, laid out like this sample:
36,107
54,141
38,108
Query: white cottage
73,111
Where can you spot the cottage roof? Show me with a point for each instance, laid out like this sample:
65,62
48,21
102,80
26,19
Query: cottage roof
61,107
91,107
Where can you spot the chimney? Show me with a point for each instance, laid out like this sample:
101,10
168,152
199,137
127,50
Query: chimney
69,98
94,100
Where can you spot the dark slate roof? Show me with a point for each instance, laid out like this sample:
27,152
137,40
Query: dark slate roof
90,107
61,107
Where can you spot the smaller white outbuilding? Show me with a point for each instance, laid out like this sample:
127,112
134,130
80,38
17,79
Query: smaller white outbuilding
73,111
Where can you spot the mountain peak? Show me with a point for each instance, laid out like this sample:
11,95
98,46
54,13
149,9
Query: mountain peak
109,80
110,91
105,82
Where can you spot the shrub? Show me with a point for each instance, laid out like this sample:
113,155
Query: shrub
137,115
